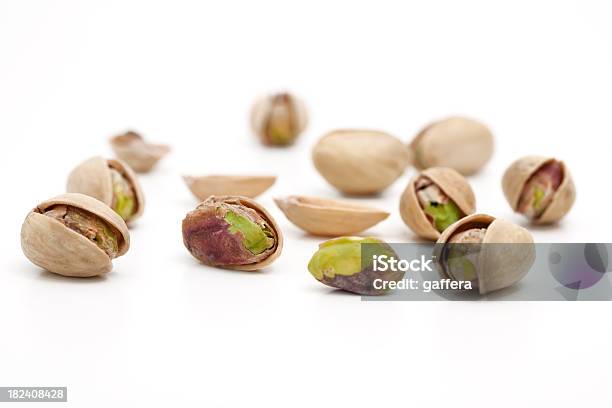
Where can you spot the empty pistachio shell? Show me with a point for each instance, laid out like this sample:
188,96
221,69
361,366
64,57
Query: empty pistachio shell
360,161
232,232
278,119
539,187
136,152
74,235
456,142
320,216
338,263
492,253
247,186
111,181
435,199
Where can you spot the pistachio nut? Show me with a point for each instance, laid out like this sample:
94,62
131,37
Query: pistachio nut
74,235
338,263
491,253
360,162
541,188
278,119
232,232
456,142
246,186
136,152
320,216
111,181
435,199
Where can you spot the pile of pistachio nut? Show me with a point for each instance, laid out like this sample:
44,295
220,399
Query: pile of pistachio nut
80,232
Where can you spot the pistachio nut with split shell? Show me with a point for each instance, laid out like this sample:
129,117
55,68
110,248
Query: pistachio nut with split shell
140,155
541,188
111,181
360,162
491,253
278,119
435,199
74,235
246,186
331,218
232,232
459,143
347,263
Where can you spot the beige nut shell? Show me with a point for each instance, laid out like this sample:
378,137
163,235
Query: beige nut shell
499,266
246,186
93,178
456,142
51,245
360,162
262,109
453,184
330,218
517,175
136,152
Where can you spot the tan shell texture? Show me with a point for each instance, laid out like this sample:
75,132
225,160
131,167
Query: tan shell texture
499,266
453,184
246,186
330,218
360,162
262,109
456,142
51,245
136,152
93,178
517,175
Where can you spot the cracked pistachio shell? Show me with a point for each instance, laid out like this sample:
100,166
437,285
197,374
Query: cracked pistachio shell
360,162
232,232
93,178
50,244
337,263
278,119
517,175
136,152
505,258
246,186
320,216
456,142
453,184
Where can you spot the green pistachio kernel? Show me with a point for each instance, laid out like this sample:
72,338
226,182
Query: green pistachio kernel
538,196
444,215
256,238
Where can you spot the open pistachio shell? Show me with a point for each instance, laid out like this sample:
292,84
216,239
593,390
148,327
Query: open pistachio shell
232,232
452,184
136,152
278,119
519,173
320,216
94,178
246,186
456,142
360,162
54,246
504,258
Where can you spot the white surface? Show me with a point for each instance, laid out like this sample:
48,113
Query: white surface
162,330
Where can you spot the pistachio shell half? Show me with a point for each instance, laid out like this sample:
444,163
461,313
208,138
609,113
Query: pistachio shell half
111,181
456,142
541,188
360,162
278,119
74,235
136,152
435,199
320,216
492,253
338,263
232,232
246,186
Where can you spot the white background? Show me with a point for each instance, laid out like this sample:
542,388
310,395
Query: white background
162,330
